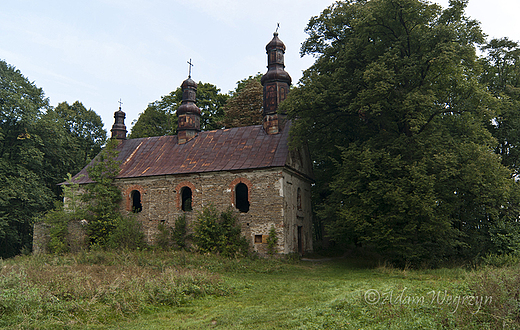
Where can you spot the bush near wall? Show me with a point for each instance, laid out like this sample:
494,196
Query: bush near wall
219,233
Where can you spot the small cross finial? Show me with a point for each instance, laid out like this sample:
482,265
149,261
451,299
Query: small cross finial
190,65
277,27
119,103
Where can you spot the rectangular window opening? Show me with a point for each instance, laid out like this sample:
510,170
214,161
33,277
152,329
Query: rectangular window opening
258,238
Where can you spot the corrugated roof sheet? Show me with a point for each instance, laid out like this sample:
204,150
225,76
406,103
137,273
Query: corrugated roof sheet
238,148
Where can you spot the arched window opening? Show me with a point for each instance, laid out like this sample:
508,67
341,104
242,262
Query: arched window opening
137,206
186,199
242,197
299,199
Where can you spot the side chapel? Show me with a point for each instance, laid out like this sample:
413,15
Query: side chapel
250,169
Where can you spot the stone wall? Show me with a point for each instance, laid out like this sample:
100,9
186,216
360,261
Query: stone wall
297,213
76,238
41,238
161,200
278,197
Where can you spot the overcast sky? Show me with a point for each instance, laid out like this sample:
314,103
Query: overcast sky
100,51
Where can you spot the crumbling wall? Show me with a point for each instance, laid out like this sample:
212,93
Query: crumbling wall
41,238
76,238
161,201
272,196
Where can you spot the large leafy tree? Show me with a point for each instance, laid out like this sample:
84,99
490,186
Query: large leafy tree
211,103
85,126
160,117
244,107
39,145
395,119
502,76
73,135
23,191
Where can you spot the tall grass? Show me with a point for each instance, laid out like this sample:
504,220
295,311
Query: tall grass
158,289
95,288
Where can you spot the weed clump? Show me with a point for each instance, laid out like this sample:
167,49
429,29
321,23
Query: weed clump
220,233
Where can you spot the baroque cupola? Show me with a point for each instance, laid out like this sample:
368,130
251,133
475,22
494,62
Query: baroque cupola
188,114
276,84
119,129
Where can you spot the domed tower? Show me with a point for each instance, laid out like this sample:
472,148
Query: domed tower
276,84
188,113
119,129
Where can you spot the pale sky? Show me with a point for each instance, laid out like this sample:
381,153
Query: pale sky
100,51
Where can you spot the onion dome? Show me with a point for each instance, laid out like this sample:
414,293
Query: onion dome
276,81
275,62
119,128
189,95
188,114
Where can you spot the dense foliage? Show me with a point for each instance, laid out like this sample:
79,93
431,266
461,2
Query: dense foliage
38,147
97,206
502,77
219,232
160,117
244,107
397,121
180,232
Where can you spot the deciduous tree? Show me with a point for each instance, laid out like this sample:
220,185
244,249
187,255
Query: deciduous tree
160,116
24,192
396,121
502,76
244,108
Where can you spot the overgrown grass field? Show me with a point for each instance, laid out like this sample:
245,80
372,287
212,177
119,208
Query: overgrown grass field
180,290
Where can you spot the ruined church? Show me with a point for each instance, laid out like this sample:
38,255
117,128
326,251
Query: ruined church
250,169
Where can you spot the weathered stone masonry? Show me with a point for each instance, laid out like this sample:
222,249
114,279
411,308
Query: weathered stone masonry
268,190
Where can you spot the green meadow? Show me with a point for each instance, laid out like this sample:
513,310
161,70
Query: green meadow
180,290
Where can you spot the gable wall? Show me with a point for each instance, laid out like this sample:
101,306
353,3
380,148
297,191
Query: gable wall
297,213
161,201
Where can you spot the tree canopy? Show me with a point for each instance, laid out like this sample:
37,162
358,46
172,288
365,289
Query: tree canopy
39,145
24,191
244,107
502,76
397,120
160,117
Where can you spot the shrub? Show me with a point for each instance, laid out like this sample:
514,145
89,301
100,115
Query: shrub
500,290
102,197
126,234
179,232
272,240
501,260
219,233
505,237
58,219
162,239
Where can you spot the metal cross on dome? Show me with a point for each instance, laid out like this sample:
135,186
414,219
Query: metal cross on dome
190,65
119,103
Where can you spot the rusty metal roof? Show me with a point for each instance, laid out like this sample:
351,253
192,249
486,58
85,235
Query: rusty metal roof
240,148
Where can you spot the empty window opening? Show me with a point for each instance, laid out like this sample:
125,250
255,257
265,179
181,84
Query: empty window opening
186,199
258,238
242,197
136,201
